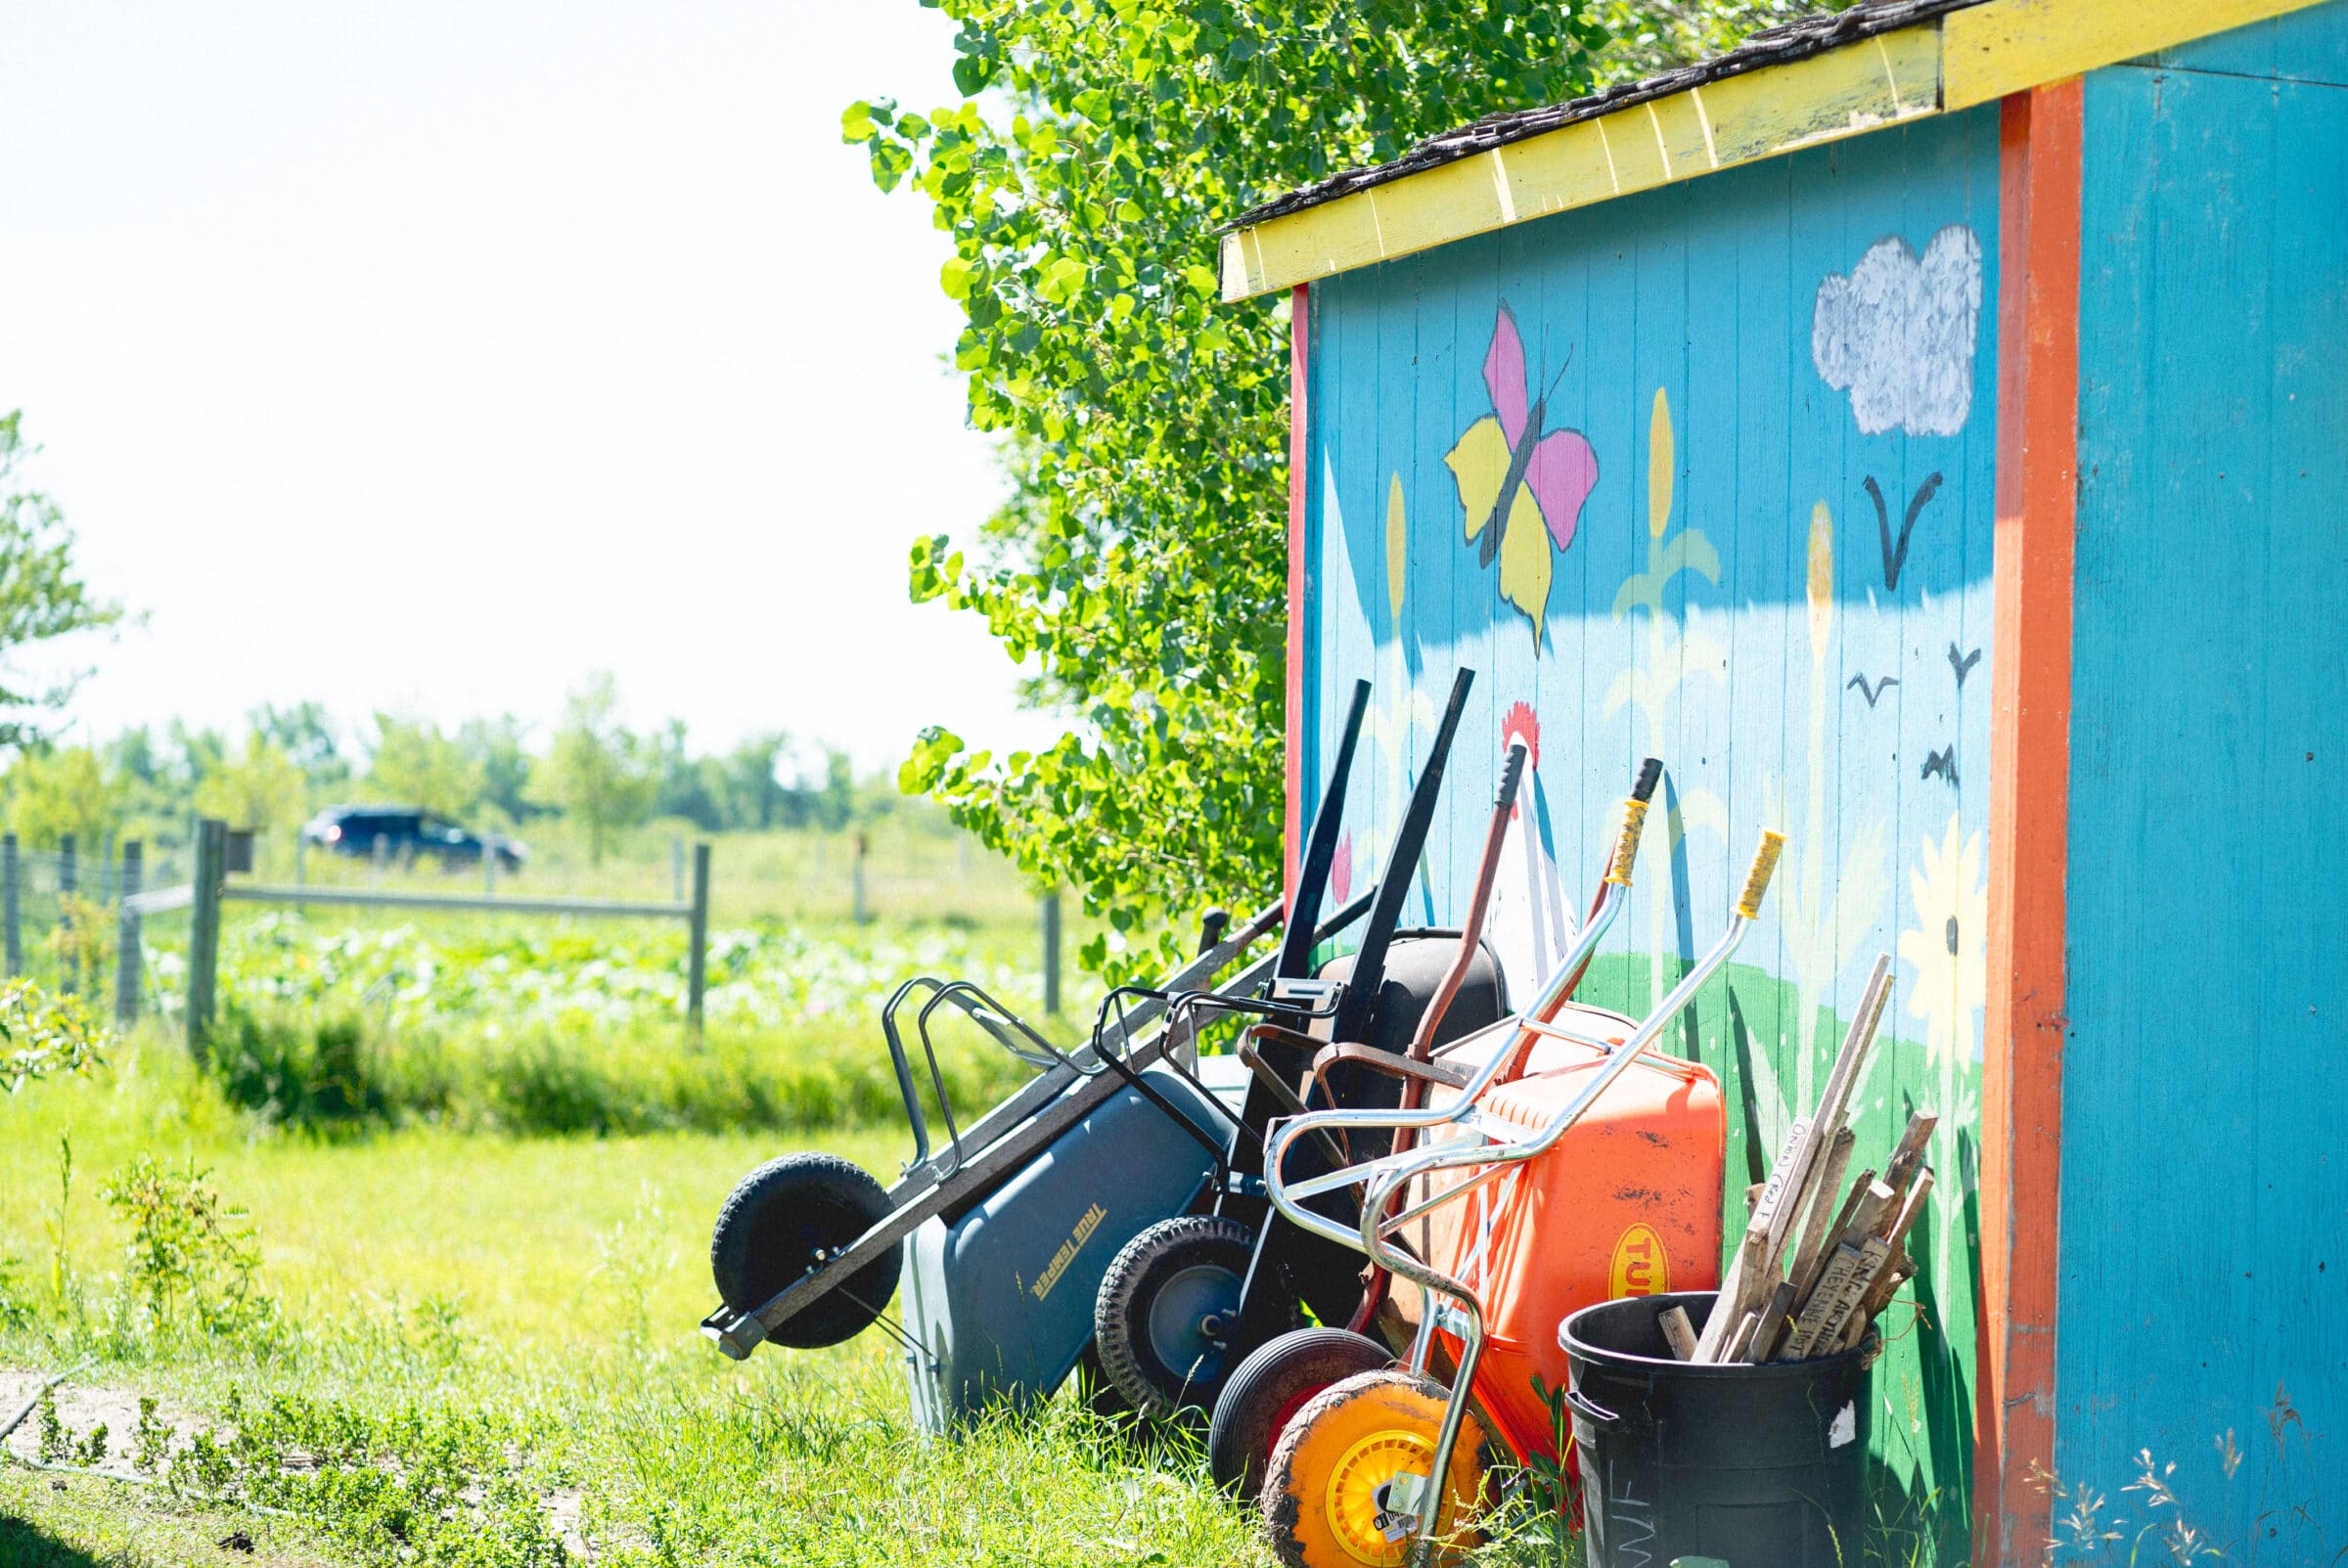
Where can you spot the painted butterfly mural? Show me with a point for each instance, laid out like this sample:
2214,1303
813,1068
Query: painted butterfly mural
1523,487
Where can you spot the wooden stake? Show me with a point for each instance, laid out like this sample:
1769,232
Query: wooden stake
1772,1326
1679,1332
1896,1271
1793,1184
1814,1230
1870,1214
1805,1279
1887,1276
1908,1153
1840,1288
1849,1065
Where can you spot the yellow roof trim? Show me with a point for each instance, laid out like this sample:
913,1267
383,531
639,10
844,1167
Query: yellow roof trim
1962,59
1992,50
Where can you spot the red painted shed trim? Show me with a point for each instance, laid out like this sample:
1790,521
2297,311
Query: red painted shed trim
1300,443
2022,1036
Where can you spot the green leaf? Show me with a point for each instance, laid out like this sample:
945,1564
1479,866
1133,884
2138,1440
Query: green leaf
972,73
932,749
890,162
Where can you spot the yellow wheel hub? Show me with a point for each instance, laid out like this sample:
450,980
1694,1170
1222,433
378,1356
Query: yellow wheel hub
1368,1520
1347,1484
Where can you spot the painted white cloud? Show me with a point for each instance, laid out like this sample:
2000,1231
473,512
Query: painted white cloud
1898,334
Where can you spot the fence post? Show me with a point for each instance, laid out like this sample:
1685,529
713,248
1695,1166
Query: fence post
859,912
203,929
127,953
1051,923
696,961
68,962
13,937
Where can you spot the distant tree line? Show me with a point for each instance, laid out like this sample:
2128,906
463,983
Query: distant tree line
588,771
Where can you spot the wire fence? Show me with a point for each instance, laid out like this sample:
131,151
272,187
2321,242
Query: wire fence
75,918
64,922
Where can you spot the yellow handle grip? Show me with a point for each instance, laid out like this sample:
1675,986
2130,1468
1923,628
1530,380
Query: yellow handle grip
1626,845
1756,880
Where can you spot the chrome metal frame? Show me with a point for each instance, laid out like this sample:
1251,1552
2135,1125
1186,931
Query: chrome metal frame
1498,1148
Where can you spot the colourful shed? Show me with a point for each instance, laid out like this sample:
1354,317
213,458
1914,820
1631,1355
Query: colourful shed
1927,430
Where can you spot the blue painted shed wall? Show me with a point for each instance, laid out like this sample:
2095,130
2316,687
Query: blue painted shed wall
2204,1167
1704,646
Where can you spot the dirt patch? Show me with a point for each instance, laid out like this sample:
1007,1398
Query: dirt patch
82,1406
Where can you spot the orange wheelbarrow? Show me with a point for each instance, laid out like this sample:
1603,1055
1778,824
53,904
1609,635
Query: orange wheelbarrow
1538,1224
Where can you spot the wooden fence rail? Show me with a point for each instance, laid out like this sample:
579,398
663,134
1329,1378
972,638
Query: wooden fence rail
211,889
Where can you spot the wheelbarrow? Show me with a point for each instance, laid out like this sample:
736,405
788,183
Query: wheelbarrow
1388,1464
1168,1305
1001,1231
1277,1377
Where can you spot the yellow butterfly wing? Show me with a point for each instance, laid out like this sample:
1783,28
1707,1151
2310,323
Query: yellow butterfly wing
1525,559
1480,465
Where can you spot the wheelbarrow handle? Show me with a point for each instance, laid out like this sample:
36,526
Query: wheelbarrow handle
1756,880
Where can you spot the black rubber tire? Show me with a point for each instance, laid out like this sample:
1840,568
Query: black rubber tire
1277,1380
1194,1255
778,1221
1100,1394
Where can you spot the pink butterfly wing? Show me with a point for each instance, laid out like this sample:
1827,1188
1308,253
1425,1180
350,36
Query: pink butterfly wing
1504,377
1562,472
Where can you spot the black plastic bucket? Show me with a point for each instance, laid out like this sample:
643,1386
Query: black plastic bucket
1755,1466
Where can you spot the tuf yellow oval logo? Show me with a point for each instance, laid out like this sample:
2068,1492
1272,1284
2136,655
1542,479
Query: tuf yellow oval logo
1639,1267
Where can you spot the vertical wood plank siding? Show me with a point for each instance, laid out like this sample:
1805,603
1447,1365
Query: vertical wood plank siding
1728,600
2204,1172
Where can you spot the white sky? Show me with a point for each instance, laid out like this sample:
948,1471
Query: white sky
428,356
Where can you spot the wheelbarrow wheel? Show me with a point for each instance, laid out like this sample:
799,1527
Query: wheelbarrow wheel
1166,1311
1332,1498
782,1221
1265,1392
1099,1394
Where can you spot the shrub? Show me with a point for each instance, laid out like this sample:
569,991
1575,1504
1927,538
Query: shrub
342,1070
185,1245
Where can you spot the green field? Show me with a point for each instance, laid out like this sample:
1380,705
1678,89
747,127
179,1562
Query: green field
469,1335
547,1289
478,1158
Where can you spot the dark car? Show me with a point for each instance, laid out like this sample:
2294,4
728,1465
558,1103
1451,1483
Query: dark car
407,831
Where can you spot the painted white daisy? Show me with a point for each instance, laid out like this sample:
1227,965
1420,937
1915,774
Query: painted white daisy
1948,948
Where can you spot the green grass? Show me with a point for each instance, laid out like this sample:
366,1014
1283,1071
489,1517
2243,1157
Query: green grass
524,1310
469,1316
551,1288
56,1522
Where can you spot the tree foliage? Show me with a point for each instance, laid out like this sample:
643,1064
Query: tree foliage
598,769
42,597
415,764
54,792
261,787
1139,568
